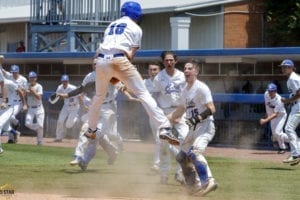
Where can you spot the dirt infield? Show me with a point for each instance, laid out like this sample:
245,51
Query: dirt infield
138,146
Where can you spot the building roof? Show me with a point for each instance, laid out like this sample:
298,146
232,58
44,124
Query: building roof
160,6
21,12
18,13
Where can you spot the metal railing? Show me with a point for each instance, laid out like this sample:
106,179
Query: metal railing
74,11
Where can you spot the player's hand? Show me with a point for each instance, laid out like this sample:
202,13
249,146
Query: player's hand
62,95
262,121
3,105
24,108
284,100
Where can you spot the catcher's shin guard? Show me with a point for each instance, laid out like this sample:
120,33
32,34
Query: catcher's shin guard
109,148
200,165
188,170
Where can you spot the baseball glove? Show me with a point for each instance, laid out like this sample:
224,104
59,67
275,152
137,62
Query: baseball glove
53,98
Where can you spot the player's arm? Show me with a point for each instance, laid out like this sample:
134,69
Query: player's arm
4,95
292,99
35,93
268,118
74,92
175,116
22,97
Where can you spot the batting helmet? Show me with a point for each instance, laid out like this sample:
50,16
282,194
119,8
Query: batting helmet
132,9
272,87
287,63
32,74
64,78
14,68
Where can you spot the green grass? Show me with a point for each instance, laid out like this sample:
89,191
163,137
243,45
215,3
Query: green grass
44,169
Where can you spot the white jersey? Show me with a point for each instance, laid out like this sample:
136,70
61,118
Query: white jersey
12,93
120,36
293,85
149,85
1,75
195,99
21,81
11,89
32,101
71,101
274,105
169,88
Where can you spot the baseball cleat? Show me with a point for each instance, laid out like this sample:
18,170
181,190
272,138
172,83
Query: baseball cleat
17,136
1,150
74,162
194,189
209,187
292,160
82,165
281,151
155,169
166,134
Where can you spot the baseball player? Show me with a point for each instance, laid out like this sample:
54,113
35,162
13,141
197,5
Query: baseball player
197,103
68,115
293,85
3,107
169,84
86,148
153,69
276,114
18,102
121,40
34,92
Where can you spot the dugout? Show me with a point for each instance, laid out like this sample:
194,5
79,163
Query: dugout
225,71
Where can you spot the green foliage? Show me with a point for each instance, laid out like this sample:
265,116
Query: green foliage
36,169
282,22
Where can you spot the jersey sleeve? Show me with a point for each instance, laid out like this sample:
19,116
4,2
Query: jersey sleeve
206,94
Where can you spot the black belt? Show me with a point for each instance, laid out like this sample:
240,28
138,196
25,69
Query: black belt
35,106
108,102
114,55
15,100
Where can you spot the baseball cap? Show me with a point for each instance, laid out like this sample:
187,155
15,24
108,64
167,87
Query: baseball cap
287,63
64,78
32,74
272,87
14,68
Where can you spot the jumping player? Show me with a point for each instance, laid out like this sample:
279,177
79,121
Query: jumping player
122,38
293,85
198,105
276,113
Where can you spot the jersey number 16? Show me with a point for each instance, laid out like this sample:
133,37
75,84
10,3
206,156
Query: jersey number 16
117,29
